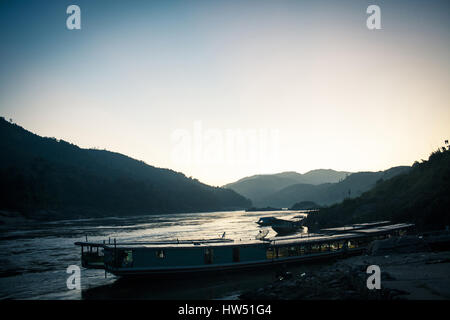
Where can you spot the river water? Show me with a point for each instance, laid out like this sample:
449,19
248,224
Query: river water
34,257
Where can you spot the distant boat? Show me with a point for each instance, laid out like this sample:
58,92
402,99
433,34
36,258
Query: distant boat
280,226
266,221
284,227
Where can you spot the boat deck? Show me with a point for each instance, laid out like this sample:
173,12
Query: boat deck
276,241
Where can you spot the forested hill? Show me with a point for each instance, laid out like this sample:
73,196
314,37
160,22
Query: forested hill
259,188
330,193
421,196
46,177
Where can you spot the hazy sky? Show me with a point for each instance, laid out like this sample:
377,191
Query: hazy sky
224,89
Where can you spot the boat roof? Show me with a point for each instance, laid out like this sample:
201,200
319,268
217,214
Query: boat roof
356,226
384,228
277,241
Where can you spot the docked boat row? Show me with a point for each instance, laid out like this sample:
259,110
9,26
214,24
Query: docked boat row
183,257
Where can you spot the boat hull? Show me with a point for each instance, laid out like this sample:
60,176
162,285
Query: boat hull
217,269
285,230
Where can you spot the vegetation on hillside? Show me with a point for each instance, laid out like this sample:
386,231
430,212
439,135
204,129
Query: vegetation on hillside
305,205
330,193
259,188
49,177
421,196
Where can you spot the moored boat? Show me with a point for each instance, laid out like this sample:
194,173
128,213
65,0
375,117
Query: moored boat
183,257
285,227
281,226
266,221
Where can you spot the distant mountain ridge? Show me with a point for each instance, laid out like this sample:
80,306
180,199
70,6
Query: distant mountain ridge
329,193
258,187
49,177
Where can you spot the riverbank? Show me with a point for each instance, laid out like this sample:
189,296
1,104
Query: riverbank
416,276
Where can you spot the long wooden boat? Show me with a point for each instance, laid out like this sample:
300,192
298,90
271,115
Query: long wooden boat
184,257
281,226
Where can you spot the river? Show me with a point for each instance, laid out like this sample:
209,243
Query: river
34,257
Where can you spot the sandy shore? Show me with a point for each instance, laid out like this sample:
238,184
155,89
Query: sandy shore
416,276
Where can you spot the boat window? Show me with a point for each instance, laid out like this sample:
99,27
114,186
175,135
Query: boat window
270,253
315,248
127,258
160,254
293,251
236,257
363,242
209,254
302,250
308,248
282,252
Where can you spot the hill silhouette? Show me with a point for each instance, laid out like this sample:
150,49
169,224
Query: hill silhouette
50,178
329,193
259,187
421,196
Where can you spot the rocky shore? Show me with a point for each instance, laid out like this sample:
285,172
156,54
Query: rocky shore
409,270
